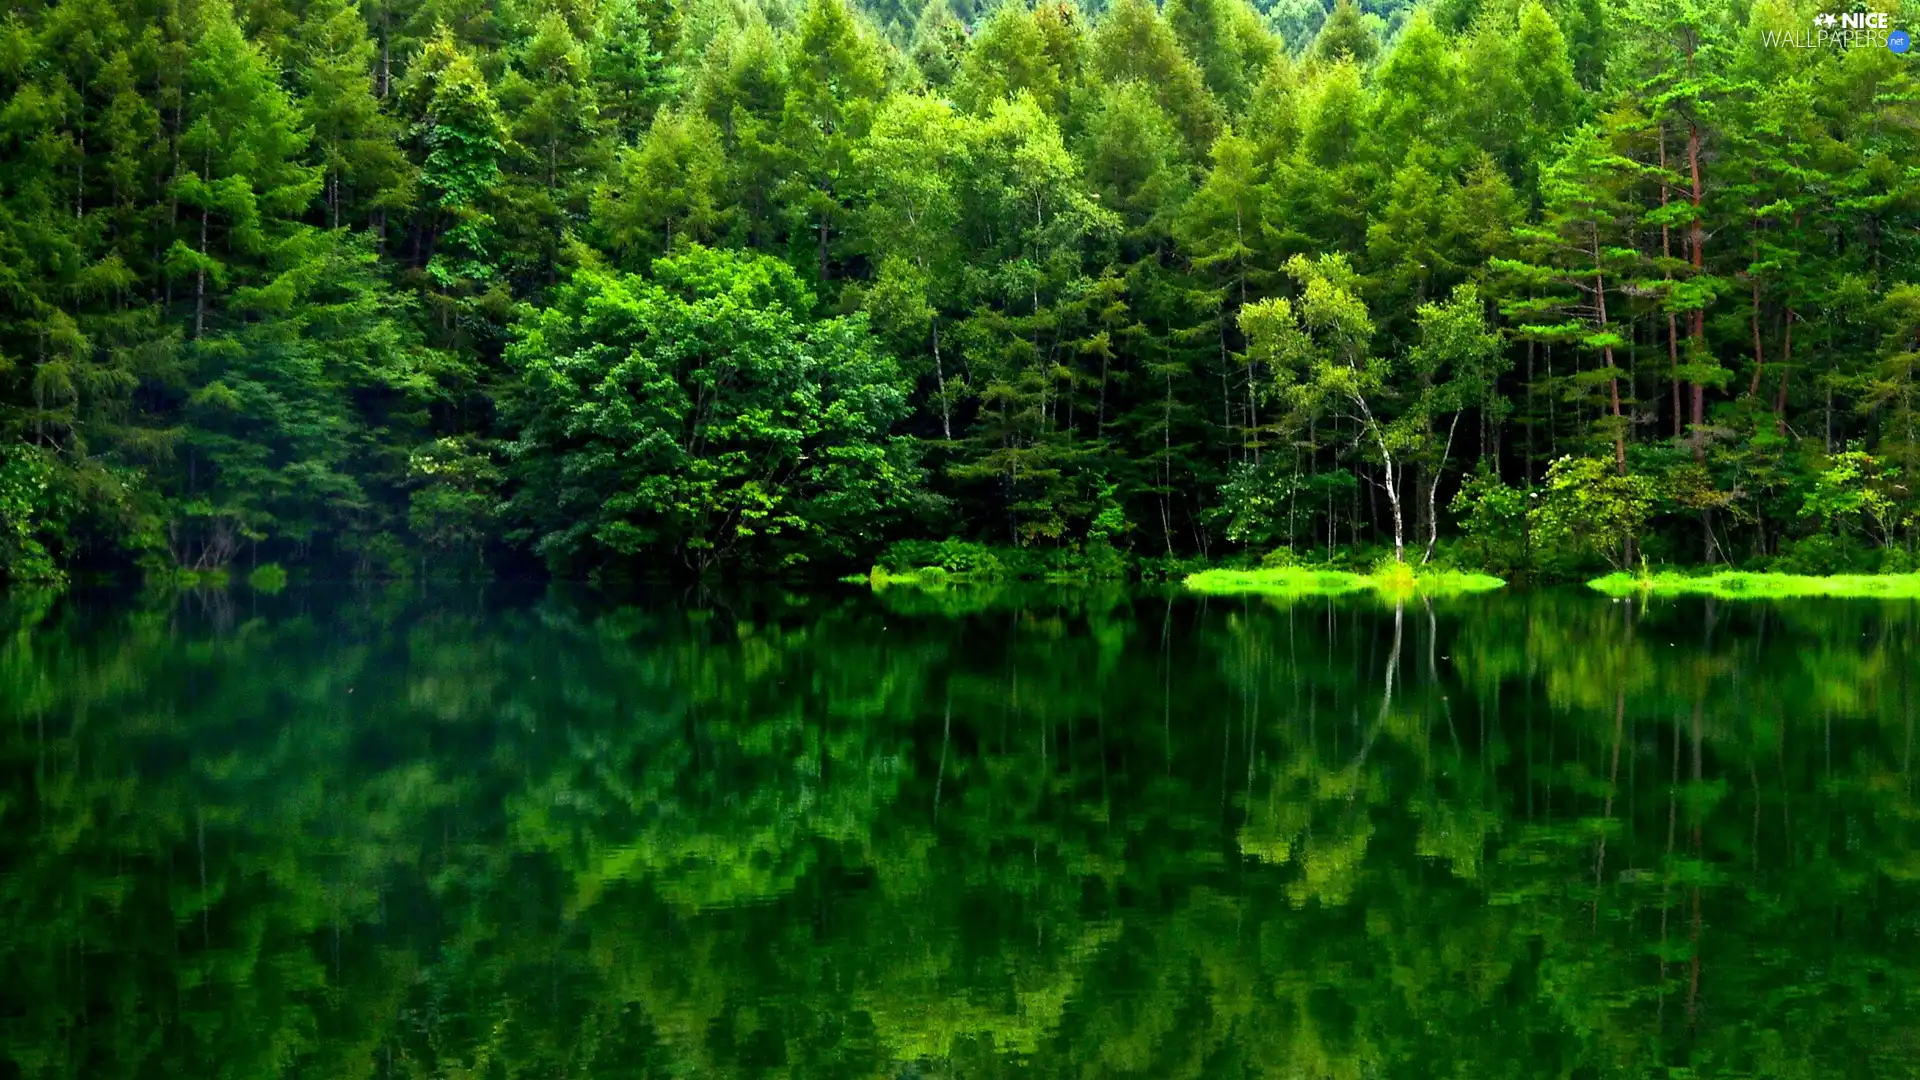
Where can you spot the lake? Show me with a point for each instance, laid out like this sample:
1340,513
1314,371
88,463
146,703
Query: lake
1087,833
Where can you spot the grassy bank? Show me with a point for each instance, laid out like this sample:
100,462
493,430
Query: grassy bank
1733,585
1319,581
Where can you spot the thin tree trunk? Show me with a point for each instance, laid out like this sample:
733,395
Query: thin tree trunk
1673,326
940,379
1753,280
200,280
1786,365
1698,233
1433,485
1613,377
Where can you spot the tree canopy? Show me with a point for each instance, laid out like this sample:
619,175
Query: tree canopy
323,282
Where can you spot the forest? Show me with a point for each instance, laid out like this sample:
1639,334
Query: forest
621,289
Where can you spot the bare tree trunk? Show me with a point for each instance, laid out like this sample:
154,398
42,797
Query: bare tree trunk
1433,485
940,378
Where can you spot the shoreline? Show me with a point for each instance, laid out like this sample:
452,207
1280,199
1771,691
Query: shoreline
1744,585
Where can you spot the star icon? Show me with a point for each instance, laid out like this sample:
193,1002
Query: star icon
1824,19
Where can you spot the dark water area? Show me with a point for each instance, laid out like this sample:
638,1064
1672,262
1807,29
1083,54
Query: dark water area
1081,833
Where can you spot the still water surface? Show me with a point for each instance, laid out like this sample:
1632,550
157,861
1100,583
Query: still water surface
1087,834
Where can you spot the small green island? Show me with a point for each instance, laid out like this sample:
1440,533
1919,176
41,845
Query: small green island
1388,578
1740,585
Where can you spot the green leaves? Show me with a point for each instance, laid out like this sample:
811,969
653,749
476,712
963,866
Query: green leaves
1589,507
704,416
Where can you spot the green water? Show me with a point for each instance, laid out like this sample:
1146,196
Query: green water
474,834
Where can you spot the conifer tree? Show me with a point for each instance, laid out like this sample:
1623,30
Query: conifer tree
836,81
463,141
1134,42
1346,36
366,177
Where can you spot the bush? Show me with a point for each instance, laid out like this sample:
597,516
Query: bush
1094,562
1825,553
1390,573
1493,524
1279,559
952,556
267,578
24,501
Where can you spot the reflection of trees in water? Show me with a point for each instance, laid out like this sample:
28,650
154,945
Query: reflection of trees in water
1099,833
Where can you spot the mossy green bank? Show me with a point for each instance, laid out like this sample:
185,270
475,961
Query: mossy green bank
1735,585
1321,581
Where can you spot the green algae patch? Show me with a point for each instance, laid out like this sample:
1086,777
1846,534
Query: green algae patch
1309,581
1735,585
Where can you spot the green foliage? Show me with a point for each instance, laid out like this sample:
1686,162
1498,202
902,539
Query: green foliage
1588,509
452,507
1175,280
957,557
464,137
1851,493
702,415
1493,523
29,518
941,561
1346,35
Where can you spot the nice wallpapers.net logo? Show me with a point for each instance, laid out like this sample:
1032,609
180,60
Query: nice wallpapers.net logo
1845,30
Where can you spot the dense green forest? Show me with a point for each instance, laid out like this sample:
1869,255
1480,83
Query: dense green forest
635,287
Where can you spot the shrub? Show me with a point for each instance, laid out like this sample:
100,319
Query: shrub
1826,553
267,578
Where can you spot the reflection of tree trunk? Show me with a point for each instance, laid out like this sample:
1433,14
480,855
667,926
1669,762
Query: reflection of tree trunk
1433,647
200,839
946,739
1100,728
1613,778
1166,687
1393,657
1666,875
1906,750
1693,936
1386,698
